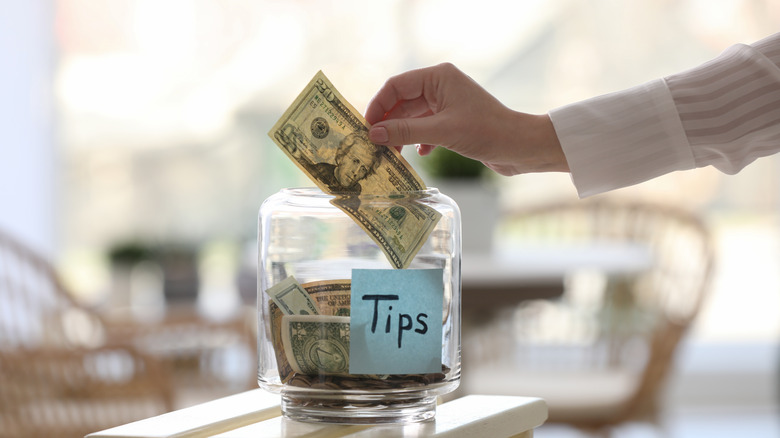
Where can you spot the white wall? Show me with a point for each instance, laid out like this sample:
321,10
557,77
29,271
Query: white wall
27,151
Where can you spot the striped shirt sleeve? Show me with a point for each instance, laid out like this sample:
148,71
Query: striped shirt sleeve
724,113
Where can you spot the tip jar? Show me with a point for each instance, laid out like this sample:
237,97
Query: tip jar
359,304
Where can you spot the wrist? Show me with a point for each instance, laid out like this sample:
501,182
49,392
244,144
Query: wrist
533,145
545,141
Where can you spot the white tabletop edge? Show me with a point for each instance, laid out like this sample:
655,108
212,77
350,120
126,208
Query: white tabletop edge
498,416
202,420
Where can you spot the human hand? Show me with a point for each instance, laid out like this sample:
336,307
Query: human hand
440,105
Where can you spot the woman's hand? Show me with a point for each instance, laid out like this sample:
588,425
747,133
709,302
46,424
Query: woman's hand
441,106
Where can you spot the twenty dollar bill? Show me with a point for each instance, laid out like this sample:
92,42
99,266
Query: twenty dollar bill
328,139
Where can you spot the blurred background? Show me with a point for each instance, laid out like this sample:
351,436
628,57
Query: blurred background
137,130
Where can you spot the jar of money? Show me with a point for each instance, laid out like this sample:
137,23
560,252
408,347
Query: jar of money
359,304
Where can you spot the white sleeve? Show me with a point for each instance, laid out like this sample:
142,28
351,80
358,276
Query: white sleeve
724,113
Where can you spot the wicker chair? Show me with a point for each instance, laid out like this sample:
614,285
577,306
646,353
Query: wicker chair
65,371
601,354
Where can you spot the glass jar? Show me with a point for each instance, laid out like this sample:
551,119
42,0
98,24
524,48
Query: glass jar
359,304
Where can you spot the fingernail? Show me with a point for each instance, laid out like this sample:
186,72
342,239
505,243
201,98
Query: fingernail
378,134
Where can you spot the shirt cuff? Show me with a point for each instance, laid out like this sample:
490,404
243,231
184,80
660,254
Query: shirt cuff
623,138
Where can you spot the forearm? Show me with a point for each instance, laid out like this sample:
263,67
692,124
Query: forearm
548,156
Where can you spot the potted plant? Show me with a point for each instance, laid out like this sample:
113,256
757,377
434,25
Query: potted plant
123,257
469,183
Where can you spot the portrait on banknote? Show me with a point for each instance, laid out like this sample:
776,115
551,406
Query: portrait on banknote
355,159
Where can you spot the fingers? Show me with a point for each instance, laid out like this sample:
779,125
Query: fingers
399,132
408,86
409,108
424,149
386,100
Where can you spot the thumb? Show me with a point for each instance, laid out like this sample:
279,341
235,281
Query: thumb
399,132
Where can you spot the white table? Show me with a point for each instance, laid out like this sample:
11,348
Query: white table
548,264
256,414
504,278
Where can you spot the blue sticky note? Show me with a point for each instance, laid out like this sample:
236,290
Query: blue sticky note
396,321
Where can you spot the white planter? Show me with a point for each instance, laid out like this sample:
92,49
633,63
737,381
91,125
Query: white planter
479,209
